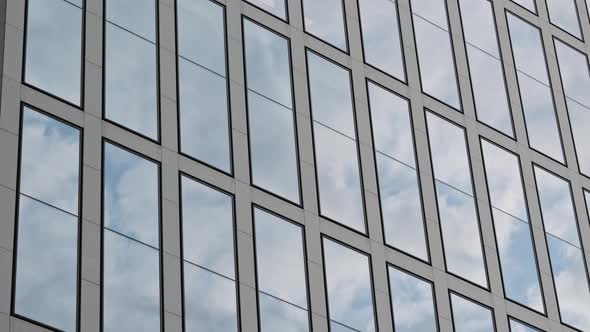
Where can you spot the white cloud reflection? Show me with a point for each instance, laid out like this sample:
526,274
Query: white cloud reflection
470,317
412,302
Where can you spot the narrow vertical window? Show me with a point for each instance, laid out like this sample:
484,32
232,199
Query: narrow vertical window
412,301
399,192
469,316
565,251
273,149
435,51
280,271
130,73
131,241
209,273
575,79
511,223
325,19
46,253
516,326
535,90
350,289
277,8
337,161
485,65
527,4
53,50
204,122
456,201
564,15
381,36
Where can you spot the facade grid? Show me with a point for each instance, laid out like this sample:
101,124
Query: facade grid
306,165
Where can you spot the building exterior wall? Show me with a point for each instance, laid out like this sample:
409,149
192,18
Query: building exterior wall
166,152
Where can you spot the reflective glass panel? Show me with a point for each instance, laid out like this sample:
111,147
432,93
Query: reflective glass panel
325,20
53,60
565,253
273,149
337,163
471,317
412,302
401,206
202,83
485,65
280,267
516,326
456,203
136,16
575,79
350,293
528,4
47,239
513,233
381,36
435,54
131,195
131,285
275,7
535,91
563,14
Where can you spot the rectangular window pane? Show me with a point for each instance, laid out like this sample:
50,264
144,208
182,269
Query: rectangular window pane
575,79
564,14
435,54
469,316
325,19
528,4
412,302
53,60
280,270
513,232
350,290
401,205
131,256
535,89
337,162
565,252
202,83
47,244
381,36
273,149
485,65
208,258
276,7
130,74
456,203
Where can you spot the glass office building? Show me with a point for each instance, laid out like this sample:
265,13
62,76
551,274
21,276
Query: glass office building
294,165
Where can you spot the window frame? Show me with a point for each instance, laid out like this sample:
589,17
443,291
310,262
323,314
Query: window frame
325,42
285,20
466,298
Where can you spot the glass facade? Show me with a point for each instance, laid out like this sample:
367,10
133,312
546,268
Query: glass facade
294,165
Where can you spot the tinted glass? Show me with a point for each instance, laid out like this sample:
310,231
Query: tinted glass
280,266
435,55
412,302
273,148
456,203
131,195
535,91
131,285
575,79
471,317
337,163
515,326
130,86
485,65
565,253
210,296
350,294
513,233
563,13
202,83
325,20
398,179
381,36
275,7
54,48
47,240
